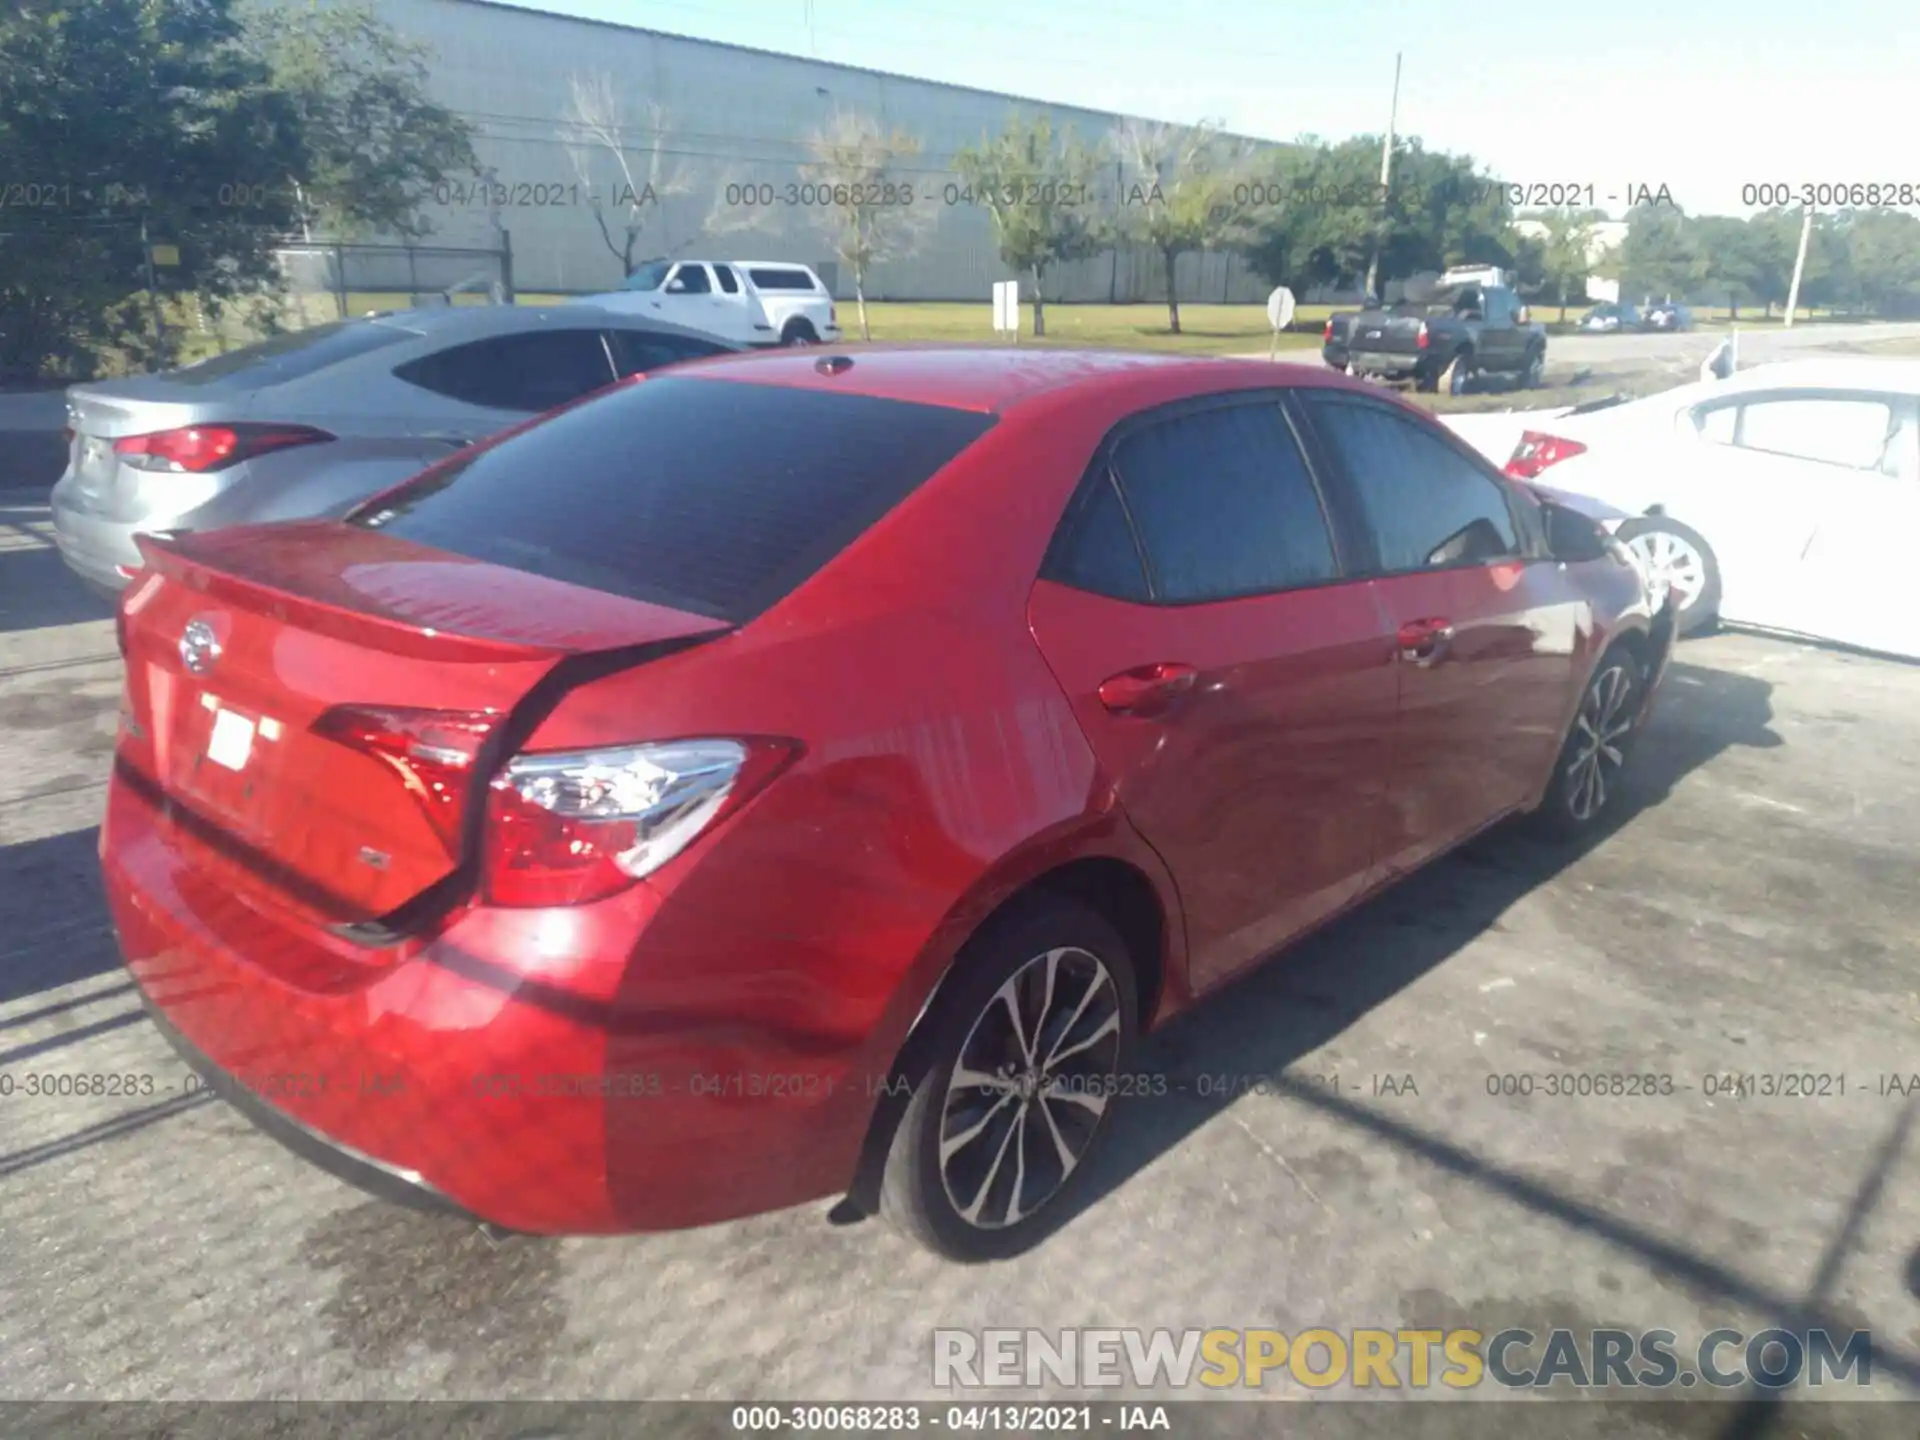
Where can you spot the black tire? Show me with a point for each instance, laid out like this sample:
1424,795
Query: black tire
799,332
1593,757
1011,953
1426,379
1534,371
1702,607
1459,372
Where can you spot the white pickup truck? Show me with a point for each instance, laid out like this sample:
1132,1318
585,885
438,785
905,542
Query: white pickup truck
750,302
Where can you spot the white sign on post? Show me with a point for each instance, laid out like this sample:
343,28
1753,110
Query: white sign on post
1006,307
1280,308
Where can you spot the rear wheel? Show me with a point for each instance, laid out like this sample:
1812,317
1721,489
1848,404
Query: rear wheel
1587,776
1534,370
1460,372
1023,1077
799,332
1676,559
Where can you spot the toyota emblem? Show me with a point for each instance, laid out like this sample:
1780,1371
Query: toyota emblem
199,647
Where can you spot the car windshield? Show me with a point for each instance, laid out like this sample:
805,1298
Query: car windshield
649,276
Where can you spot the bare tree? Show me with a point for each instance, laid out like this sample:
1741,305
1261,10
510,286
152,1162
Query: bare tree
597,117
1181,195
866,199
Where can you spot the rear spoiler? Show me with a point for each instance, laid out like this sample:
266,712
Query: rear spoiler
241,577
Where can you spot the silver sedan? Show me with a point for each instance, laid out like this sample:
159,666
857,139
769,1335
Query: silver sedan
314,421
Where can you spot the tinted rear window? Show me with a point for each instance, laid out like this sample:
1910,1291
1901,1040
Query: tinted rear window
711,496
297,353
782,280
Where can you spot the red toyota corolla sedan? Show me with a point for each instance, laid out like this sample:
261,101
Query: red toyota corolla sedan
805,775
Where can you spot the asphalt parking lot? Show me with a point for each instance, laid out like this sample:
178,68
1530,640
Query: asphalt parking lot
1754,915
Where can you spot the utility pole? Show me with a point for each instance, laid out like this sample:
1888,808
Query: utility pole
1799,267
1386,178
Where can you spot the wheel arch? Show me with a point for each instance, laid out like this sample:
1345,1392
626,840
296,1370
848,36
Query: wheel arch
1132,892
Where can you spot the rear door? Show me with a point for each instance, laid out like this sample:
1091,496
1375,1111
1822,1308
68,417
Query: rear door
1773,466
1502,341
1236,683
1857,582
739,316
1488,633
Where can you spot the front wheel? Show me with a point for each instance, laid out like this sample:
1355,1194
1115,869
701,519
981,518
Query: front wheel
1587,776
1027,1066
1677,560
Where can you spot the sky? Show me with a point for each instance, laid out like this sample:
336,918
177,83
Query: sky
1705,97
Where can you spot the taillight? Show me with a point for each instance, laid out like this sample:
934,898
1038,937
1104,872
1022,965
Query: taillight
1420,339
1536,451
569,828
197,449
431,751
1327,334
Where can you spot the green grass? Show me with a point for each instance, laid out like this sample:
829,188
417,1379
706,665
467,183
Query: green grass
1204,329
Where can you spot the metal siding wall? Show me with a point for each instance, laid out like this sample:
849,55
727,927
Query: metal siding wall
732,117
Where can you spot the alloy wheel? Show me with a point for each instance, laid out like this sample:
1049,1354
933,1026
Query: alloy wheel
1671,564
1600,735
1031,1084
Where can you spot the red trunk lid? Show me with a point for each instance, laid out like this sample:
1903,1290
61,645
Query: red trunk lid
239,642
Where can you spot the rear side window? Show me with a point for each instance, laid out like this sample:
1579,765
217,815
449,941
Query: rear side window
1224,505
782,280
637,350
1426,505
1097,552
528,373
670,492
296,354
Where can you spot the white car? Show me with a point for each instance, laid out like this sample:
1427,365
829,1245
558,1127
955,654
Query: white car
1783,498
750,302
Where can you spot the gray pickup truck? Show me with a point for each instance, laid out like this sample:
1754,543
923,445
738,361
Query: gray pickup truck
1447,331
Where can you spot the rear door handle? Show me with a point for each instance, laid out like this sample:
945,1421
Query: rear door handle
1147,690
1425,642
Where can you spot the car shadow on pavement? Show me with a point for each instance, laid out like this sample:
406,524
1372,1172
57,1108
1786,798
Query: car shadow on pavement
36,588
53,917
1281,1012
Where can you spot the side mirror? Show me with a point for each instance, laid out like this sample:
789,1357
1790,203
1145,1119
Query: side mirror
1572,537
676,286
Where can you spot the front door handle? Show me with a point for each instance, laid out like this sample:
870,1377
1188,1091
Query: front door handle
1147,690
1425,642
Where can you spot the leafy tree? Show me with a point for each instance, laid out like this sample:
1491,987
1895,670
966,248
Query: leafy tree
1884,248
132,115
1566,254
375,143
1661,255
1182,195
1040,194
871,216
1332,215
633,194
1733,269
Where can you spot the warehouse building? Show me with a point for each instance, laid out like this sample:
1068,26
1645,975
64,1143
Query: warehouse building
714,138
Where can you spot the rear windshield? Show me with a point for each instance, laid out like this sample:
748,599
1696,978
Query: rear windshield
782,279
297,353
710,496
